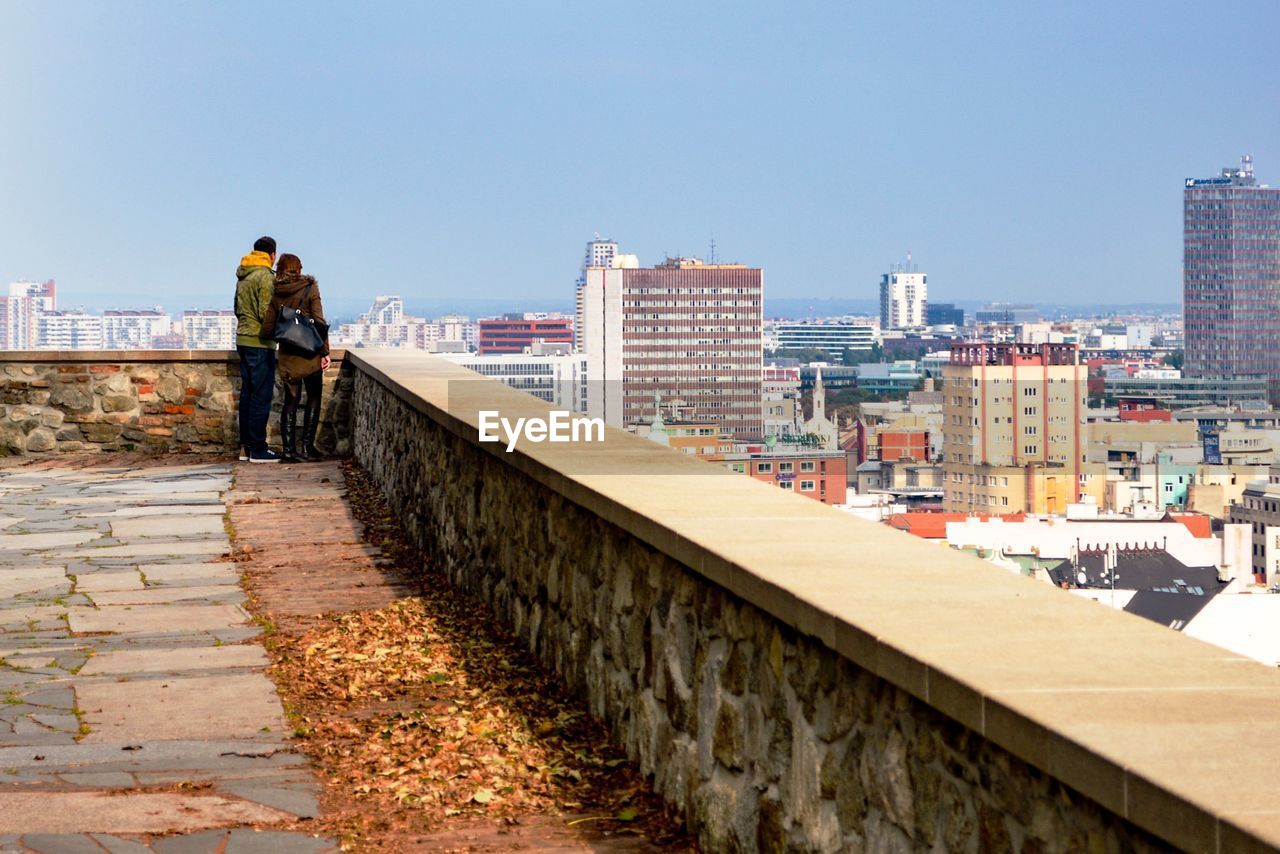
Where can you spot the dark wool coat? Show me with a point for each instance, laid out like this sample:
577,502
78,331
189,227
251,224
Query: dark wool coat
291,290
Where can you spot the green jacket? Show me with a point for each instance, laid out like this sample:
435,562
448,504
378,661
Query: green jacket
255,285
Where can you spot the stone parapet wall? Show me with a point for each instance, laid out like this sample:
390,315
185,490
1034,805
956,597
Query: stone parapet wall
738,680
143,401
765,739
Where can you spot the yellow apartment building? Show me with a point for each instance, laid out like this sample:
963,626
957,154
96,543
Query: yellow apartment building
1014,436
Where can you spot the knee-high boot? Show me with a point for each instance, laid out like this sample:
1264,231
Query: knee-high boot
289,435
310,424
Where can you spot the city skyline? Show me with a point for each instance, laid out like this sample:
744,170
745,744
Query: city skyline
460,150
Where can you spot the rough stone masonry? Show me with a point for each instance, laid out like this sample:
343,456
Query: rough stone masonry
81,402
767,739
74,407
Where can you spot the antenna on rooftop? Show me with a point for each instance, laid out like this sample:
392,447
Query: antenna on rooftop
1246,165
909,268
712,258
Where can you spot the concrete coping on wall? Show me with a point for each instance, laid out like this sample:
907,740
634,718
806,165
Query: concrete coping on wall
1179,737
114,357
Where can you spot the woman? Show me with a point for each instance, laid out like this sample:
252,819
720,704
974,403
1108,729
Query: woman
298,371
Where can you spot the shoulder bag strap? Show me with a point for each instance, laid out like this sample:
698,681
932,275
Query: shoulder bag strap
306,298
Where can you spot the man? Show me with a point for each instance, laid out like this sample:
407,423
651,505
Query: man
255,284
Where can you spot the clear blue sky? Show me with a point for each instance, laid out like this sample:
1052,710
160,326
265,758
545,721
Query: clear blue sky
1020,150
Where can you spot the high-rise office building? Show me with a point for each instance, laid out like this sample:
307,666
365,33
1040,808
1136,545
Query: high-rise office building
18,330
684,332
69,330
600,253
1231,276
209,330
833,338
134,329
1006,312
385,311
904,298
943,314
45,294
1013,427
20,313
457,327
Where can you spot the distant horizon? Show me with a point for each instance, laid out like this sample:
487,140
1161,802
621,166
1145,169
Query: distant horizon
346,308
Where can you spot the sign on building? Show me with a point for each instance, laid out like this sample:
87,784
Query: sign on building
1212,448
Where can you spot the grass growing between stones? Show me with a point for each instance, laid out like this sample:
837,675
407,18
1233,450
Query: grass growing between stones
83,728
422,717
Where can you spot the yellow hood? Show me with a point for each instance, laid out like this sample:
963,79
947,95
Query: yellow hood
256,259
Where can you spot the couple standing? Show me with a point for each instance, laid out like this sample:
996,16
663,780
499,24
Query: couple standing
260,295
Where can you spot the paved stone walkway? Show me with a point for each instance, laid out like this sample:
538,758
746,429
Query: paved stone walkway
307,555
136,713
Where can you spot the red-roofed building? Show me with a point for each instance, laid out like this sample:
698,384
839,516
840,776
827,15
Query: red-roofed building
933,526
1199,524
1143,409
513,333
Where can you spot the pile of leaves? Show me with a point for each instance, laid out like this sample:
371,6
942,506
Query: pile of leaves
425,715
425,735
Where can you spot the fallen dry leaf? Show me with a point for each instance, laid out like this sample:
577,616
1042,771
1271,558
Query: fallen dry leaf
423,713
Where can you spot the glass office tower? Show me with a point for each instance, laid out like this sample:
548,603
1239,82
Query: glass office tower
1231,276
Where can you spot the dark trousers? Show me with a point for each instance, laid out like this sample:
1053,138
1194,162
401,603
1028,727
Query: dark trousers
257,383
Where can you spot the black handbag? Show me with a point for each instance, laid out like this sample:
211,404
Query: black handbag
298,333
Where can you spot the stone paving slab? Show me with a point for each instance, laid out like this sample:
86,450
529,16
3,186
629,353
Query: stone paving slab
203,497
160,573
300,802
58,843
142,674
167,526
150,550
115,845
33,580
175,660
242,841
160,488
101,779
32,542
22,618
103,581
222,593
217,581
8,651
163,755
231,706
213,508
53,521
155,620
132,812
